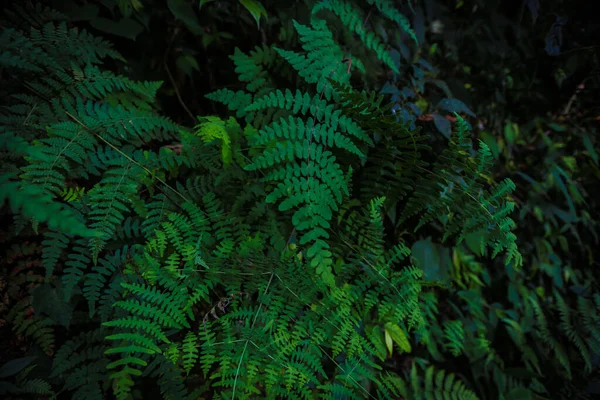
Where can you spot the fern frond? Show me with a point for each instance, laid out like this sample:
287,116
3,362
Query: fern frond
455,336
249,68
456,181
438,383
190,352
353,21
389,11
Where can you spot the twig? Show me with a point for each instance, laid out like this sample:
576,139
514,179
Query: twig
171,76
367,18
177,93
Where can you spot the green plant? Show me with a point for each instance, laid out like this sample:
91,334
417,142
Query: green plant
520,335
248,256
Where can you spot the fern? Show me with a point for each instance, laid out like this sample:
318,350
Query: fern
351,19
253,252
250,68
440,384
454,333
457,180
24,385
81,363
387,9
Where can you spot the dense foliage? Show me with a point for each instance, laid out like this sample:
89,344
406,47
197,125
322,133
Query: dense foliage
324,199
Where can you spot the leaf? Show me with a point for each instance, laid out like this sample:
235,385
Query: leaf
554,38
212,128
388,88
422,104
491,142
125,7
183,11
511,132
536,185
203,2
187,63
454,105
557,127
49,300
534,8
13,367
137,5
473,242
127,27
434,259
375,337
556,173
85,12
590,148
255,8
433,49
395,55
397,335
520,393
443,125
442,85
389,342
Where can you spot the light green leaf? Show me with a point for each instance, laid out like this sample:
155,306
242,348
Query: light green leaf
389,342
212,128
397,335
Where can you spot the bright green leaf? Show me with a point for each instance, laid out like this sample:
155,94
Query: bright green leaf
389,342
397,334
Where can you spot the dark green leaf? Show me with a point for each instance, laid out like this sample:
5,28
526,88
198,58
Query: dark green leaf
590,148
255,8
434,259
127,27
183,11
13,367
520,393
454,105
49,300
85,12
442,125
